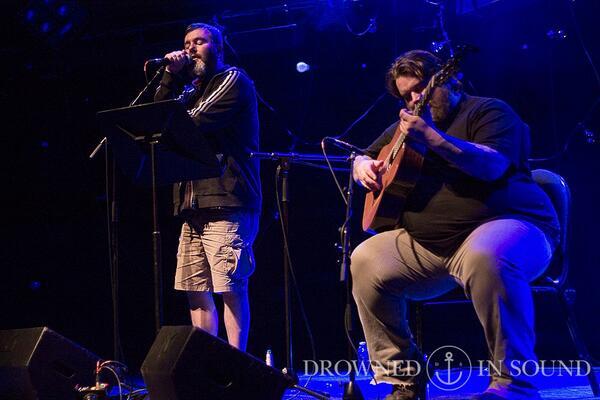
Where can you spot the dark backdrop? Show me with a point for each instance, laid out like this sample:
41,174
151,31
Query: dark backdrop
533,55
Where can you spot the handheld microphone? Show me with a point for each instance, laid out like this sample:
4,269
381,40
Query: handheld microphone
159,62
163,62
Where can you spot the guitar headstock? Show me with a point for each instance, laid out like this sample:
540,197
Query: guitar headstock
450,68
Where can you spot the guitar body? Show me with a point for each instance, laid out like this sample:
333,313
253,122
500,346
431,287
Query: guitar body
383,208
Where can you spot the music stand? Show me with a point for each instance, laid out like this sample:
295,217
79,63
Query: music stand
162,134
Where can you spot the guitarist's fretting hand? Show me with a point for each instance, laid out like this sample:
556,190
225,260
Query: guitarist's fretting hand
367,172
421,129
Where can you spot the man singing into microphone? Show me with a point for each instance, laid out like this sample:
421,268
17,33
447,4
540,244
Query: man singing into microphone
220,214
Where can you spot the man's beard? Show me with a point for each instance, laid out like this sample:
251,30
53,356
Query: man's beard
440,107
198,68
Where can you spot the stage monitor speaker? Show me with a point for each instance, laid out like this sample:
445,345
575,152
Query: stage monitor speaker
186,363
40,364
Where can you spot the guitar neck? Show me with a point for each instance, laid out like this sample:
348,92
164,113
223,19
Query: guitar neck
424,100
418,111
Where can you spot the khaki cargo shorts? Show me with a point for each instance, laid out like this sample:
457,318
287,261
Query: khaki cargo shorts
215,250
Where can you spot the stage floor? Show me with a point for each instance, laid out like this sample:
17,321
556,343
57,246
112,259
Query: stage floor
551,387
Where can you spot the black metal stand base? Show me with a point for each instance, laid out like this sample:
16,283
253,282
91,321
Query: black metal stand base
352,391
316,395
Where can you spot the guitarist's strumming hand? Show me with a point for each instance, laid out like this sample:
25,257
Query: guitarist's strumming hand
367,172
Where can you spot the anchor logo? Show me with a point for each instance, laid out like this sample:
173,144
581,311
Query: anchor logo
451,368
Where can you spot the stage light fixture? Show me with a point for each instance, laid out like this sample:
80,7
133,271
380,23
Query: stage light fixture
35,285
65,29
557,34
56,21
437,47
302,67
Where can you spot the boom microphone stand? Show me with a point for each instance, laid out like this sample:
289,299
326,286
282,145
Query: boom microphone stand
113,241
285,161
351,390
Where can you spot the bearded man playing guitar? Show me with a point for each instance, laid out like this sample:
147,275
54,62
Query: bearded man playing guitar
473,217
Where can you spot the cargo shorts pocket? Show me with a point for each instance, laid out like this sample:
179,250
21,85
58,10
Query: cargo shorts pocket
239,261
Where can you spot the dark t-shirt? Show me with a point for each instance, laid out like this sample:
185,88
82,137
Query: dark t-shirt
447,204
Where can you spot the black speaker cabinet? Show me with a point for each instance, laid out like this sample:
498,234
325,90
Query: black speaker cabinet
186,363
38,363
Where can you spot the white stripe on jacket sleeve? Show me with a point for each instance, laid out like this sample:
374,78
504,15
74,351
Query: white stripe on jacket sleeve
230,79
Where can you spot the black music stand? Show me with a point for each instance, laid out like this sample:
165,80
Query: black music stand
158,134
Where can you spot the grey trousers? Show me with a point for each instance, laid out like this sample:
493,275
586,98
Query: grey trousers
494,265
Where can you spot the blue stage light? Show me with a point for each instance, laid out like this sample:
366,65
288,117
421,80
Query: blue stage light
302,67
437,47
557,34
57,21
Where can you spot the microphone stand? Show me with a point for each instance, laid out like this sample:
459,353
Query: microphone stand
146,88
351,389
285,161
113,241
283,170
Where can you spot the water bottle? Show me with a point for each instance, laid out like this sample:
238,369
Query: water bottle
363,365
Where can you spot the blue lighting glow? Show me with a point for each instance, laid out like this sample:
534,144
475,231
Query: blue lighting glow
66,28
557,34
302,67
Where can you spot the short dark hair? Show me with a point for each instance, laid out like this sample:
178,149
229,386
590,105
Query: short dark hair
420,64
215,34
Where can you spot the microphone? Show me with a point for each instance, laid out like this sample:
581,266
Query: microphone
163,62
345,145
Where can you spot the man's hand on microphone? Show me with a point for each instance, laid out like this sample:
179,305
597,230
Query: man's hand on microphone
179,59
